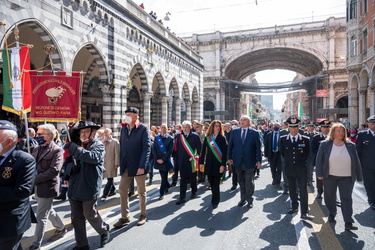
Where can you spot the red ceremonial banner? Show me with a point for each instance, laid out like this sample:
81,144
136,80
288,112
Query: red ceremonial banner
55,98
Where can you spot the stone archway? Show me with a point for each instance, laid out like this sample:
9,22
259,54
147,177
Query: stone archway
195,105
174,103
159,100
207,107
186,103
353,100
95,105
363,111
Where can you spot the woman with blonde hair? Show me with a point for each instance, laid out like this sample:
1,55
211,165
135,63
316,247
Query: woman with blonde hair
213,158
338,165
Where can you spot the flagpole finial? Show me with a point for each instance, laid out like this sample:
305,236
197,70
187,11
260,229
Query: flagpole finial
16,33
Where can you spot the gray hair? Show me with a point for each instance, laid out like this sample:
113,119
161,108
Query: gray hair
186,123
246,117
108,129
50,128
10,134
31,130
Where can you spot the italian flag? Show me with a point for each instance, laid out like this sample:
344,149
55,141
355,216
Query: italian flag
300,114
16,83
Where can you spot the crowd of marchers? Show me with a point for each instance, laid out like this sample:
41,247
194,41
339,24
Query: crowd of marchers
47,167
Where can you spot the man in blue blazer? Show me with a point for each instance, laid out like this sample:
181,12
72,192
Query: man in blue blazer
244,153
17,173
366,147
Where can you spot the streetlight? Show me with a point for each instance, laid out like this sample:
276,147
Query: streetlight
166,18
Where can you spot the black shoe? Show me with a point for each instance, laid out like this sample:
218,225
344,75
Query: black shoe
292,210
372,205
173,184
214,206
60,197
349,226
193,195
249,205
278,187
130,194
180,201
241,203
319,196
285,192
331,219
233,188
166,190
161,197
306,216
104,238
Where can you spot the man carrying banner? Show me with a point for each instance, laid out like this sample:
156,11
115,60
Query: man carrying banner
188,147
162,150
214,161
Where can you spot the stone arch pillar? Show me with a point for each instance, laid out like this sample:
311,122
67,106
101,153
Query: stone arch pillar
146,108
188,109
177,102
372,100
362,106
164,109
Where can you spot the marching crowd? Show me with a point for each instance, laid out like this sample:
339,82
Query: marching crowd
192,152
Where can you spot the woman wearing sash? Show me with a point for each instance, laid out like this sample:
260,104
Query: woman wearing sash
213,158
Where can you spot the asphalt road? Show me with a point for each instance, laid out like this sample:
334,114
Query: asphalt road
195,225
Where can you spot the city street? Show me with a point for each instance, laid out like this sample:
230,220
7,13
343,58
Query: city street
195,225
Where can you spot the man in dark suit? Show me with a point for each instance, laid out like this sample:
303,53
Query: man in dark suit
188,147
295,149
310,133
162,150
325,127
245,154
17,173
272,153
366,147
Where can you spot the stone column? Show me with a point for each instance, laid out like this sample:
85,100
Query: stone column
177,103
353,107
372,100
217,105
195,112
146,108
362,106
164,109
331,101
107,105
188,110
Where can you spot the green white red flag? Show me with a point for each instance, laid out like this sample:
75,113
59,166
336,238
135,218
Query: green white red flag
16,81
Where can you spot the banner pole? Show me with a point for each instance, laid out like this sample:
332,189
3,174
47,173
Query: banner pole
27,132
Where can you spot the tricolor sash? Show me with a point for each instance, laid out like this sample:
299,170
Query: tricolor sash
163,150
214,147
194,157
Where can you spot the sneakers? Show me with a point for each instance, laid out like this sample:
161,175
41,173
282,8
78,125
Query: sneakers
104,238
141,220
121,223
57,234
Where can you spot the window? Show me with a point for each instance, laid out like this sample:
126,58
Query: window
353,9
364,7
364,41
353,48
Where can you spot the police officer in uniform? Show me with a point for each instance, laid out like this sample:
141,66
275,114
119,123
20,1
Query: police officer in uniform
295,149
325,127
366,147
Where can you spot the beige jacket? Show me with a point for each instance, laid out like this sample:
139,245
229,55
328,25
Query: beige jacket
112,158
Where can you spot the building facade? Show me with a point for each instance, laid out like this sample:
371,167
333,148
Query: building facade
129,59
360,60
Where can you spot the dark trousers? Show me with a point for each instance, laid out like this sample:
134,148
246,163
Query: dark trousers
215,189
80,212
164,182
109,187
345,186
301,181
201,176
310,167
12,243
319,186
246,181
176,170
275,165
369,182
285,178
234,176
193,184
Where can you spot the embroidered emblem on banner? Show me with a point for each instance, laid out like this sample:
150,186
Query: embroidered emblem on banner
54,94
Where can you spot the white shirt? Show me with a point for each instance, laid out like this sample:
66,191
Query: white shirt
340,162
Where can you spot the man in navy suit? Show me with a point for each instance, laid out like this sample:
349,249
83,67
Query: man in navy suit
271,151
366,147
17,173
244,153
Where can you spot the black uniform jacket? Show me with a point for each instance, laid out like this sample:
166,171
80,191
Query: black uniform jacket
212,165
295,154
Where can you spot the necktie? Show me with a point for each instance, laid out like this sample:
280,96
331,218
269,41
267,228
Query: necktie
294,139
274,144
243,136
